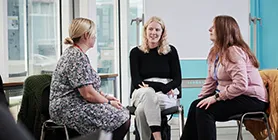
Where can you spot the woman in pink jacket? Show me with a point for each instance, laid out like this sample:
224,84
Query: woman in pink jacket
233,85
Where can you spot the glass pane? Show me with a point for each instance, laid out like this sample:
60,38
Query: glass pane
16,42
105,36
135,11
43,35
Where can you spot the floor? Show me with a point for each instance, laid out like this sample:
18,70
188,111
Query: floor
225,131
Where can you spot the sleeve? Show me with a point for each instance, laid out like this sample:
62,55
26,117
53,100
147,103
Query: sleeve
175,71
157,86
238,73
79,71
134,68
9,129
209,85
3,99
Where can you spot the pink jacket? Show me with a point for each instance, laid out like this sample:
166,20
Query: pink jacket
240,78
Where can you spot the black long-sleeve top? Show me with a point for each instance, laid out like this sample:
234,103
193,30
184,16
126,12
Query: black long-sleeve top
149,65
3,99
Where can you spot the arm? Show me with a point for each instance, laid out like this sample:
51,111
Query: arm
9,129
3,99
238,74
134,68
79,73
175,71
91,95
209,85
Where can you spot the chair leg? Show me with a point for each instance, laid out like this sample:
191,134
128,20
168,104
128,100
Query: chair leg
66,132
42,132
128,134
239,134
181,120
267,127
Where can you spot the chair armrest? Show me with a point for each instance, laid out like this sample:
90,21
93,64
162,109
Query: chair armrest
171,110
131,109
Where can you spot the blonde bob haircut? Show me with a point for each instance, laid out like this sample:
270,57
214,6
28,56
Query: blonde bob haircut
163,47
78,27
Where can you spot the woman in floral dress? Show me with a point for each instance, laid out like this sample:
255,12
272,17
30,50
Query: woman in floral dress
75,97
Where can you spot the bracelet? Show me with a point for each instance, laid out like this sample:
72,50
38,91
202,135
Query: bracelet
109,102
216,97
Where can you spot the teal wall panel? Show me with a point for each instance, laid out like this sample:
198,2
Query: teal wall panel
192,69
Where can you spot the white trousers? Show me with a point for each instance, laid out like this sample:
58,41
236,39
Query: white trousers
148,105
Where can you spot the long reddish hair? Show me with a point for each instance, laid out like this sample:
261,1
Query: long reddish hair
228,35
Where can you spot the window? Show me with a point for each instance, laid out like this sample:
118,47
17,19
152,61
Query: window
135,11
33,37
16,38
43,35
105,36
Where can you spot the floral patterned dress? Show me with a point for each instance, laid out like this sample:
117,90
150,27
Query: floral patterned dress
68,107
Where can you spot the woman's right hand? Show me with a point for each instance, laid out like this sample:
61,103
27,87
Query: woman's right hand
116,104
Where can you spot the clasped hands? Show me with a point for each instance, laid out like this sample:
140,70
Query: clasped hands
113,100
146,85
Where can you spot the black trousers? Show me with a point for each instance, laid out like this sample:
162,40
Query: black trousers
200,123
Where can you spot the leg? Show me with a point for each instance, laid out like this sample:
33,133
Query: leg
148,114
221,111
120,132
190,130
141,123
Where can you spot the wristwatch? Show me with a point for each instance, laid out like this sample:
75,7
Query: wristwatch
216,97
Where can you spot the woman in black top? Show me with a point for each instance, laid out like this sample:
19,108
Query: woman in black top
156,74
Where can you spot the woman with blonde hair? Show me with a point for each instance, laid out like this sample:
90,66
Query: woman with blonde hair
156,75
233,85
75,96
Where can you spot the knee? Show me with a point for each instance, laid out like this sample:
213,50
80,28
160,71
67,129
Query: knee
194,104
139,112
202,112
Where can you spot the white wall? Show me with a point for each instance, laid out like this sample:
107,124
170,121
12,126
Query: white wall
188,21
3,41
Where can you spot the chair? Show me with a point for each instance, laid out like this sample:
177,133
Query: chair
170,111
30,110
49,125
255,116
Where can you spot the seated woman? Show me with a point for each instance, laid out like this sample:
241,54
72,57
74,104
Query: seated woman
156,75
75,96
233,85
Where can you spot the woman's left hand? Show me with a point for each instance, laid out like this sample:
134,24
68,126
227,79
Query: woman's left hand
206,102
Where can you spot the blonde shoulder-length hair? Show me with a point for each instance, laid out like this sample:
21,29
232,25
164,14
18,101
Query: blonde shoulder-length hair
164,47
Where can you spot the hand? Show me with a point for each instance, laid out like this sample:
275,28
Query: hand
206,102
171,92
200,96
143,85
109,97
112,98
116,104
